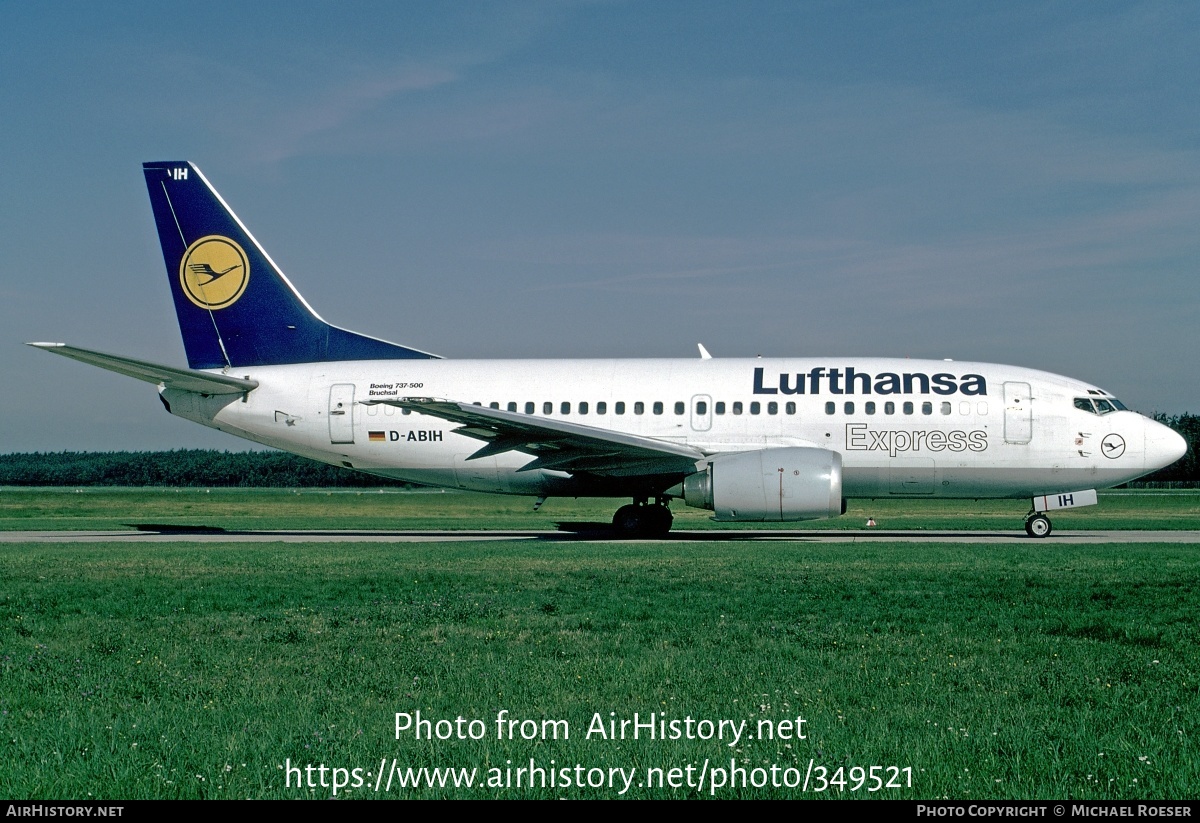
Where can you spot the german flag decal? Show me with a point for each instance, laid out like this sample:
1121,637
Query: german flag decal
376,437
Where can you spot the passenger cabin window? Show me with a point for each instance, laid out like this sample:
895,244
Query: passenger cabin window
849,407
772,408
790,408
547,408
658,407
926,408
512,407
529,407
946,408
493,405
602,407
619,407
701,408
830,407
737,407
639,407
583,407
908,408
679,407
889,407
869,407
719,408
755,407
566,407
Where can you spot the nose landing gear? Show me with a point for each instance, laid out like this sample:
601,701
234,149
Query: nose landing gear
642,519
1037,525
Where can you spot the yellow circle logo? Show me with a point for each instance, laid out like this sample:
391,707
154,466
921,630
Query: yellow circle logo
214,272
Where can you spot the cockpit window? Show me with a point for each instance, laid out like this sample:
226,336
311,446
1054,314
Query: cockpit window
1099,405
1117,405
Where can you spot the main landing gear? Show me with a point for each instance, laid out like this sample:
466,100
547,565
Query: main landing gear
642,519
1037,525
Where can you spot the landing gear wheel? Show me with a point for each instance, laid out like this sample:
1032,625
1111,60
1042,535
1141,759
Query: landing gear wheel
627,522
1038,525
642,521
656,521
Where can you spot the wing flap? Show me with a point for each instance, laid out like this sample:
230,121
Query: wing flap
556,444
185,379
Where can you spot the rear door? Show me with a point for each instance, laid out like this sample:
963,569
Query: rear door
341,413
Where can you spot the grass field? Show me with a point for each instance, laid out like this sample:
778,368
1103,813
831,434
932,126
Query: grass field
1032,670
104,508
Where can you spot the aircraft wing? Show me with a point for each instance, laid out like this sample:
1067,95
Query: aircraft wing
557,444
185,379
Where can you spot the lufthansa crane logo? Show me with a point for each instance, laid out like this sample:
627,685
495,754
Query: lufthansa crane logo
1113,445
214,272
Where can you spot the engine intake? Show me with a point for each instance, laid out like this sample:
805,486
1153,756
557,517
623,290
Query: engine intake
769,485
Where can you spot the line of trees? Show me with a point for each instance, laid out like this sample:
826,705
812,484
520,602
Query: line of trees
185,467
208,468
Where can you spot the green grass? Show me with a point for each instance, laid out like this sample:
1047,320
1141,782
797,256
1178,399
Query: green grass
1038,670
104,508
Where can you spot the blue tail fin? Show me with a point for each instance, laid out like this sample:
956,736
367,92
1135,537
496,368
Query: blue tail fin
235,307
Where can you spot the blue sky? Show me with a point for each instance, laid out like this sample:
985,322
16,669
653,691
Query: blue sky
1010,182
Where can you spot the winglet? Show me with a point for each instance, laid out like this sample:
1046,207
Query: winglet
704,355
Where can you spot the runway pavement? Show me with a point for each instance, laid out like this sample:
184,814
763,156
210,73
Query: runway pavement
177,534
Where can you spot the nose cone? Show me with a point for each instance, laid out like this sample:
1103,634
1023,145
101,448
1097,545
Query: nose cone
1164,445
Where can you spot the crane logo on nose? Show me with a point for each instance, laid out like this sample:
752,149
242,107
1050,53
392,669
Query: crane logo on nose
1113,445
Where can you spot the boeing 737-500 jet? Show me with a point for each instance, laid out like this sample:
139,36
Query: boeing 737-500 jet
752,440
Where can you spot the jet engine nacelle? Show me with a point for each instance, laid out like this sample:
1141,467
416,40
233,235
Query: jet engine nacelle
769,485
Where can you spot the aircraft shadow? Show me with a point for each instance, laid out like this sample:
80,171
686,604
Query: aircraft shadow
571,532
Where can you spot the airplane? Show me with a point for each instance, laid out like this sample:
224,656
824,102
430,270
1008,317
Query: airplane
753,440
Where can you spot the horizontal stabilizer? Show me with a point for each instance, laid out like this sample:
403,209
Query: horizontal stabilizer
184,379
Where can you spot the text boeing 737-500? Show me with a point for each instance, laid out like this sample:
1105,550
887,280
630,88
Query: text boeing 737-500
752,440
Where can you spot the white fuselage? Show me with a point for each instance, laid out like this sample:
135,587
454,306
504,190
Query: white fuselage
903,427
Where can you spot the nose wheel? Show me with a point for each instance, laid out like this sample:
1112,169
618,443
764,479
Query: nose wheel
1038,525
642,520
